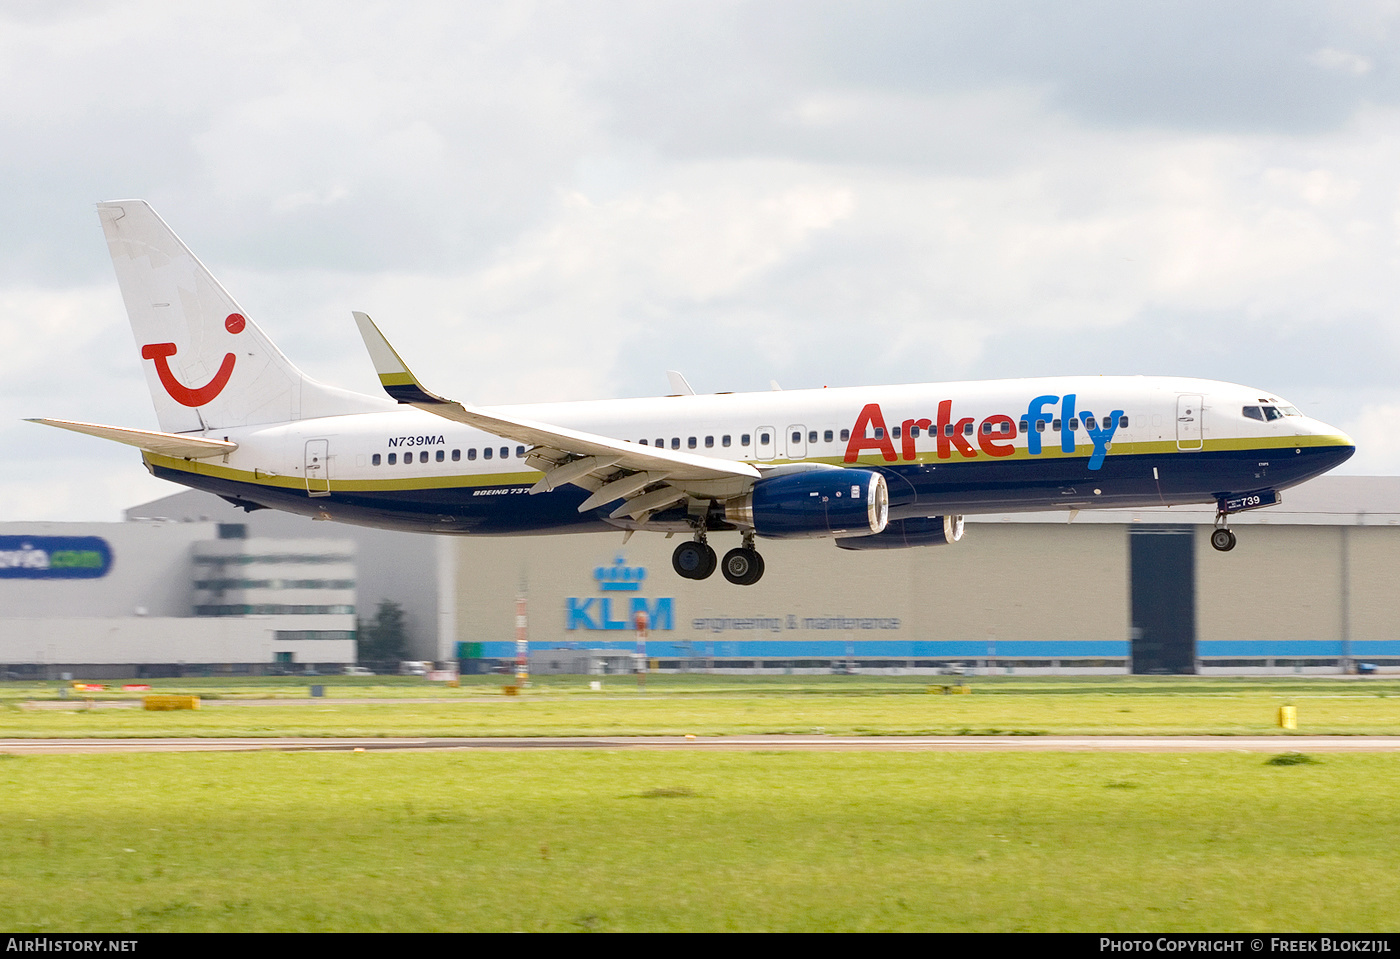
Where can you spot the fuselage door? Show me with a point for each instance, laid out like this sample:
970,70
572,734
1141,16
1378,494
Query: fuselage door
764,442
318,468
1188,422
797,442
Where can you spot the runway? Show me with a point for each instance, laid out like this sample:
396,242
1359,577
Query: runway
1171,744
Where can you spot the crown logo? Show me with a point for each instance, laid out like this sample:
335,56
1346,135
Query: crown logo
619,577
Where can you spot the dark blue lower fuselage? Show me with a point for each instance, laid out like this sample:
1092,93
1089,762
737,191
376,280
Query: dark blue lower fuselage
983,486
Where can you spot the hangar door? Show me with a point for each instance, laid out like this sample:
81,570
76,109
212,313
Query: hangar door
1163,585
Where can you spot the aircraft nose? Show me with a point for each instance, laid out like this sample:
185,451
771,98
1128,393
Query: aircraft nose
1336,447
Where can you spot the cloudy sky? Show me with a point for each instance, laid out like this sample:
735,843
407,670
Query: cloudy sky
561,200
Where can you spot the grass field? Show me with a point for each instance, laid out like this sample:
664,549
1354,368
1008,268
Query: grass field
628,840
718,705
562,839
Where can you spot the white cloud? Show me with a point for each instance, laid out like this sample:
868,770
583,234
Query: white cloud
561,201
1343,61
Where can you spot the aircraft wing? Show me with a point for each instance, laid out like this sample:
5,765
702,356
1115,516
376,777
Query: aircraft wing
166,444
648,477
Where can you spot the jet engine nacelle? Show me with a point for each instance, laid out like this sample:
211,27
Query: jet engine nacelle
903,533
813,504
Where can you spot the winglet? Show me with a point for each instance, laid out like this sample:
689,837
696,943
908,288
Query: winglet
394,375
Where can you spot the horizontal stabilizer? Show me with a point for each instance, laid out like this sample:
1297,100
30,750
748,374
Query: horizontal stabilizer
166,444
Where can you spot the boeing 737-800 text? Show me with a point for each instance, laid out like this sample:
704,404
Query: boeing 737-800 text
871,467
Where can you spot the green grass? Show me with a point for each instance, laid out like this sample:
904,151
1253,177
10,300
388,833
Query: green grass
720,705
562,840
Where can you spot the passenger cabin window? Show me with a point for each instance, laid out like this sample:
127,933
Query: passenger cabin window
1123,422
1074,424
643,442
845,435
709,442
967,429
393,458
812,436
486,453
796,436
765,438
744,439
471,453
724,440
675,442
374,459
520,452
505,451
690,443
423,456
827,436
1089,423
661,442
894,432
879,432
456,456
914,431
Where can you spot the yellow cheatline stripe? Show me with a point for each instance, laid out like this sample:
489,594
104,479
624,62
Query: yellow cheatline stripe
397,379
388,483
1084,450
925,457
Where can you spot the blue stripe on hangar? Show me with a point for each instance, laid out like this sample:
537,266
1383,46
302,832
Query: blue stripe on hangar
828,649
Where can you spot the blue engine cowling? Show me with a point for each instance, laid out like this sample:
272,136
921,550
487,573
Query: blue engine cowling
813,504
903,533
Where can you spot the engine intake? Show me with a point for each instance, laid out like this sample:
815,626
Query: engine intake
903,533
814,504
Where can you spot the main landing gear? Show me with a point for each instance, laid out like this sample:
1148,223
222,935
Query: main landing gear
1222,537
742,566
696,559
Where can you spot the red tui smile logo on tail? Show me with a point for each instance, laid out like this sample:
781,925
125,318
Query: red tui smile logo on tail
179,392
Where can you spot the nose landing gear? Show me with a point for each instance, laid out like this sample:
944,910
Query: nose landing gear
1222,537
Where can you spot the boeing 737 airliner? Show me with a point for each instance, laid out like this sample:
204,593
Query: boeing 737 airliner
871,467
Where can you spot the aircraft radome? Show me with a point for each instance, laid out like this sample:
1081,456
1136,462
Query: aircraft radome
879,467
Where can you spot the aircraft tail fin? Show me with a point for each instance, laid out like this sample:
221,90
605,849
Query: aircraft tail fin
207,365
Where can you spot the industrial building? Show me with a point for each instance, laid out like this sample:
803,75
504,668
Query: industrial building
190,580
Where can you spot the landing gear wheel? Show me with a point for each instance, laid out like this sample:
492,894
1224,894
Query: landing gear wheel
742,566
694,560
1223,539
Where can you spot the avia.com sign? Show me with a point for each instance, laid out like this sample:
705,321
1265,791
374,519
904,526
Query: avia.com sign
54,557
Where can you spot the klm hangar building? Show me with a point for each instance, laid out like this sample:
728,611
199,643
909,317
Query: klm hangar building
190,583
1308,588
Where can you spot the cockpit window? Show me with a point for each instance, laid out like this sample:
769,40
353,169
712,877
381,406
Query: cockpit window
1253,413
1291,411
1271,413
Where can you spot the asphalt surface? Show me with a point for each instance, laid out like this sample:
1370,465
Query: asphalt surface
1172,744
